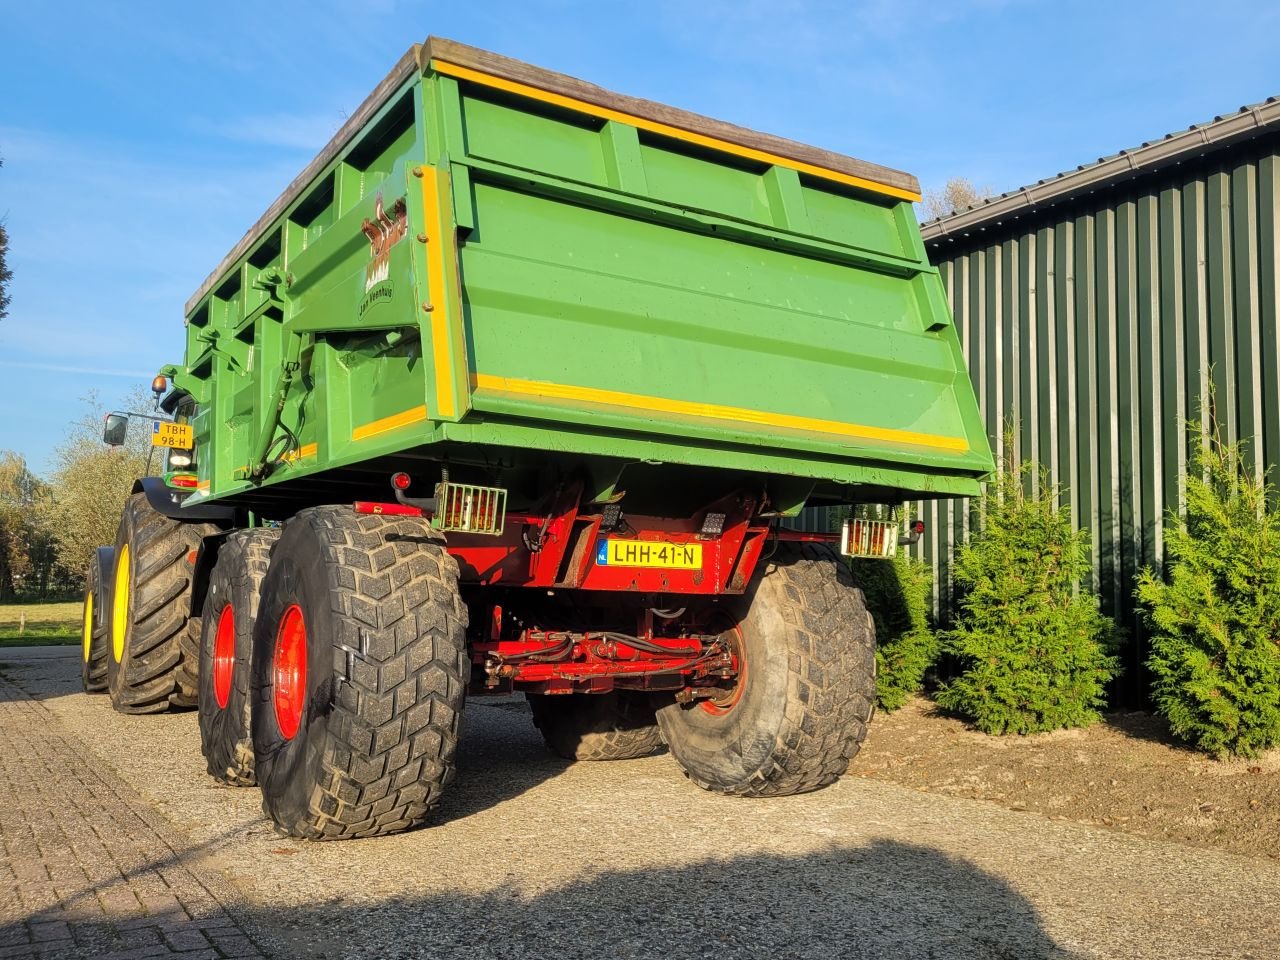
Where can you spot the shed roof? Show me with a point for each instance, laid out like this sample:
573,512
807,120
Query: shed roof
1246,123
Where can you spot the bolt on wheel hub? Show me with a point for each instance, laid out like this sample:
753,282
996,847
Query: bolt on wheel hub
726,698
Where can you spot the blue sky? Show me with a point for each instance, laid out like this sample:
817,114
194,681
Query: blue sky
140,140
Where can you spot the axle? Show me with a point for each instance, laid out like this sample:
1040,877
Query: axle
564,661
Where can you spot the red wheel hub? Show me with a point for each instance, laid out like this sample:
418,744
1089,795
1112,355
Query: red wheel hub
726,700
290,662
224,656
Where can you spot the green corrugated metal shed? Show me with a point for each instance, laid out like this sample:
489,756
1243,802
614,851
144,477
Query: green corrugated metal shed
1096,307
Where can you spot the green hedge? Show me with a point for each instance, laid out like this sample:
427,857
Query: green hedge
897,593
1215,616
1033,649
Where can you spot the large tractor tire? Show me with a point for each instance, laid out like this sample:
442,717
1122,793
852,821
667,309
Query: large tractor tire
604,726
805,646
359,674
93,653
226,641
152,664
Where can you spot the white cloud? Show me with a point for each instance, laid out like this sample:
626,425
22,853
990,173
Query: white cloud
306,133
90,371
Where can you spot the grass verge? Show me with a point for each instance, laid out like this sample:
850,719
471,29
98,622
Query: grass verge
33,624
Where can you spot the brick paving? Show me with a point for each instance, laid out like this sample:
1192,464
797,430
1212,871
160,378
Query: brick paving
87,870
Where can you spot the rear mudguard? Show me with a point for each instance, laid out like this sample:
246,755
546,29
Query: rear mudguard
166,501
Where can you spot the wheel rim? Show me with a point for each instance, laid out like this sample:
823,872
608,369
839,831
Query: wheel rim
120,604
290,661
724,703
224,656
88,623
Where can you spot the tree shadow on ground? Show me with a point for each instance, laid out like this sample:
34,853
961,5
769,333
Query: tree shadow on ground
884,899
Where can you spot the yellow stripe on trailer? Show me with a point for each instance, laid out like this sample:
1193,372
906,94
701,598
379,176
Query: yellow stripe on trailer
396,420
715,411
307,450
666,130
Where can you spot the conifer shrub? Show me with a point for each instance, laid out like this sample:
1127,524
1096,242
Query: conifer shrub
1032,647
1215,616
897,593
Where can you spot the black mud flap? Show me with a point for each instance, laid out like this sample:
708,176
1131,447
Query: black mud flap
168,502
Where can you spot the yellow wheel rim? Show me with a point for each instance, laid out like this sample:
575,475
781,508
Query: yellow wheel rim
88,623
120,604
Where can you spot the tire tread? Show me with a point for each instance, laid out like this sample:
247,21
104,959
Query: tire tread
161,665
597,726
831,671
401,668
232,763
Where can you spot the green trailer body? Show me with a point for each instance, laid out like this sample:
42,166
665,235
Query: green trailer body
494,264
617,345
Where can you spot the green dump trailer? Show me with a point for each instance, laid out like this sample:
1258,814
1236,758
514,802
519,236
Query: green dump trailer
519,387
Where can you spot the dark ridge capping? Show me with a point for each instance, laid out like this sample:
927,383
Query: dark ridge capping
1248,123
462,55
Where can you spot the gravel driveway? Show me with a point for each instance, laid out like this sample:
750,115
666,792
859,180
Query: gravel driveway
533,857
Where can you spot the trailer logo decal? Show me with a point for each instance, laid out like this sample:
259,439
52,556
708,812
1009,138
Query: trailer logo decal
384,232
380,293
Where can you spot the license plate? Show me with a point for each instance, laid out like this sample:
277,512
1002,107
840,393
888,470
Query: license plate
166,434
649,553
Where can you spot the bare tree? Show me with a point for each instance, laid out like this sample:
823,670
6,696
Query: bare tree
957,194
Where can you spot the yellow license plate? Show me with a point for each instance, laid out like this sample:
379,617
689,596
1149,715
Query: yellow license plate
165,434
649,553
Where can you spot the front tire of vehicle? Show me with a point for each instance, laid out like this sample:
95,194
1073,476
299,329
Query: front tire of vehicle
93,654
149,669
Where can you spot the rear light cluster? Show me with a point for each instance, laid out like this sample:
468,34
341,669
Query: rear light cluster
465,508
456,507
877,539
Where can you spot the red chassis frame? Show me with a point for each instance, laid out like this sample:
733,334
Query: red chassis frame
557,550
